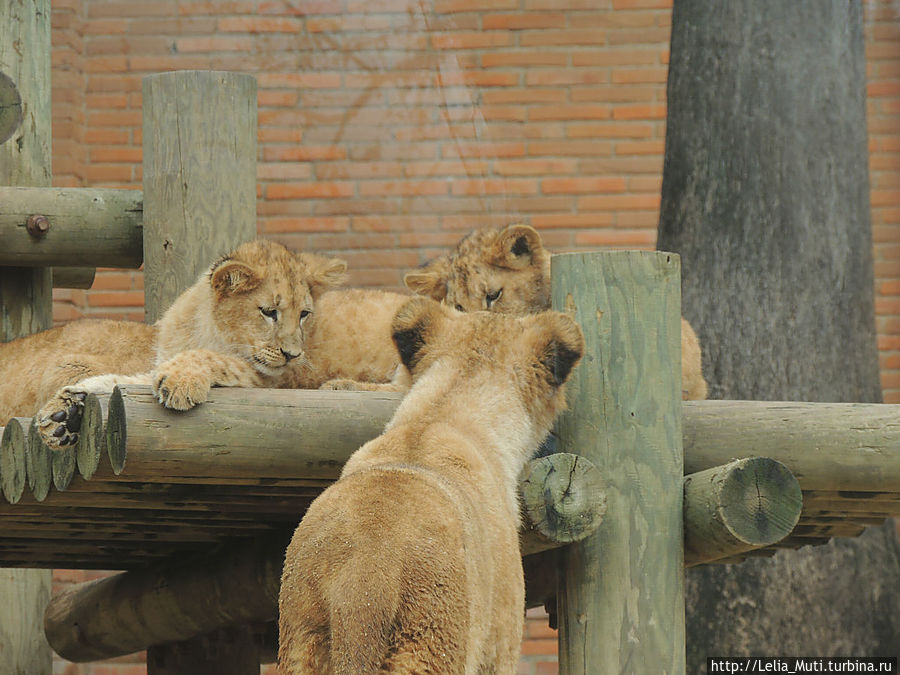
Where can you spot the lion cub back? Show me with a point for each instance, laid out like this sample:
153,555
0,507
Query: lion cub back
410,562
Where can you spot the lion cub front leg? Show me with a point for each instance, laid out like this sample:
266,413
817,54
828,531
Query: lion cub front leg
59,421
185,379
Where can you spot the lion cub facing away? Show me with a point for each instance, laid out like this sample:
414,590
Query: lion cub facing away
410,562
508,270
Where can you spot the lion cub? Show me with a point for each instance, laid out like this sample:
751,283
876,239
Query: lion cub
410,562
508,270
244,323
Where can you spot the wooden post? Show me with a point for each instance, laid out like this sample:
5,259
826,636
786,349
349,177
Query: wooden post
620,591
199,171
199,177
25,304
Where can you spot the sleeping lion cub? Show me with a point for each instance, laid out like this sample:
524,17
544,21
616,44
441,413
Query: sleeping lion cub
508,270
243,323
410,562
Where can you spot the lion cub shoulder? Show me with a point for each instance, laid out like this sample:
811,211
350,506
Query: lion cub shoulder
508,270
410,562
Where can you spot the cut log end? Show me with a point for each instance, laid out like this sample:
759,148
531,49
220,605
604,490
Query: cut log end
563,496
39,464
738,507
92,440
116,436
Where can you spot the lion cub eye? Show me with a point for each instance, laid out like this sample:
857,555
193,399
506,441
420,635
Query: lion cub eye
491,298
459,308
303,314
269,313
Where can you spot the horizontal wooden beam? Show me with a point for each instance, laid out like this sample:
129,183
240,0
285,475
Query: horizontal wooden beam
180,599
73,277
83,227
827,446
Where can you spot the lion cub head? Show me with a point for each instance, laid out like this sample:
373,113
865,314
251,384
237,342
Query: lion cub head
263,298
505,270
531,355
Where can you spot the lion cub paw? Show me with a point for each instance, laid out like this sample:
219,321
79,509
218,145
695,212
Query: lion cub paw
178,390
59,421
341,384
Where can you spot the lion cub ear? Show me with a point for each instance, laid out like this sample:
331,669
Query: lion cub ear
430,280
232,277
323,273
560,345
515,246
412,327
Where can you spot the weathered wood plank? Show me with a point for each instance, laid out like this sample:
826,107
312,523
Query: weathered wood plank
199,173
88,227
827,446
621,594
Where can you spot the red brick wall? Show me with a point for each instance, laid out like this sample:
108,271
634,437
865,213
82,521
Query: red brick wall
388,128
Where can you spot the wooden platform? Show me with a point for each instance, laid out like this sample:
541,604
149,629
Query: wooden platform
249,462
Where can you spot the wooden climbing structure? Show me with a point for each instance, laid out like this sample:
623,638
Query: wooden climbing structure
195,507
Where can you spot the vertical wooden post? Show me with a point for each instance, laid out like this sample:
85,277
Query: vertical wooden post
621,591
25,293
199,153
199,172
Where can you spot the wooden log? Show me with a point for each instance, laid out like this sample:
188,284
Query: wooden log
12,458
73,277
746,504
563,500
25,293
827,446
621,590
62,467
91,445
199,173
164,600
260,433
229,585
38,463
88,227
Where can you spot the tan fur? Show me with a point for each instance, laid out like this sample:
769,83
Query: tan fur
513,261
410,563
349,345
34,367
216,334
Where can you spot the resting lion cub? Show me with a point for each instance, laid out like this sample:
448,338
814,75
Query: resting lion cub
243,323
508,270
410,562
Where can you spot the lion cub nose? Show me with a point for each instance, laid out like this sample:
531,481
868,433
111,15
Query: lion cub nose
288,356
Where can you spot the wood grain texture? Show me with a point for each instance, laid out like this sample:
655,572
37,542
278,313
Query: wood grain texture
89,227
172,601
745,504
25,294
620,597
199,174
827,446
38,463
563,499
12,458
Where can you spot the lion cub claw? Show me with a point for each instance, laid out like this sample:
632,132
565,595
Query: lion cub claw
59,421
